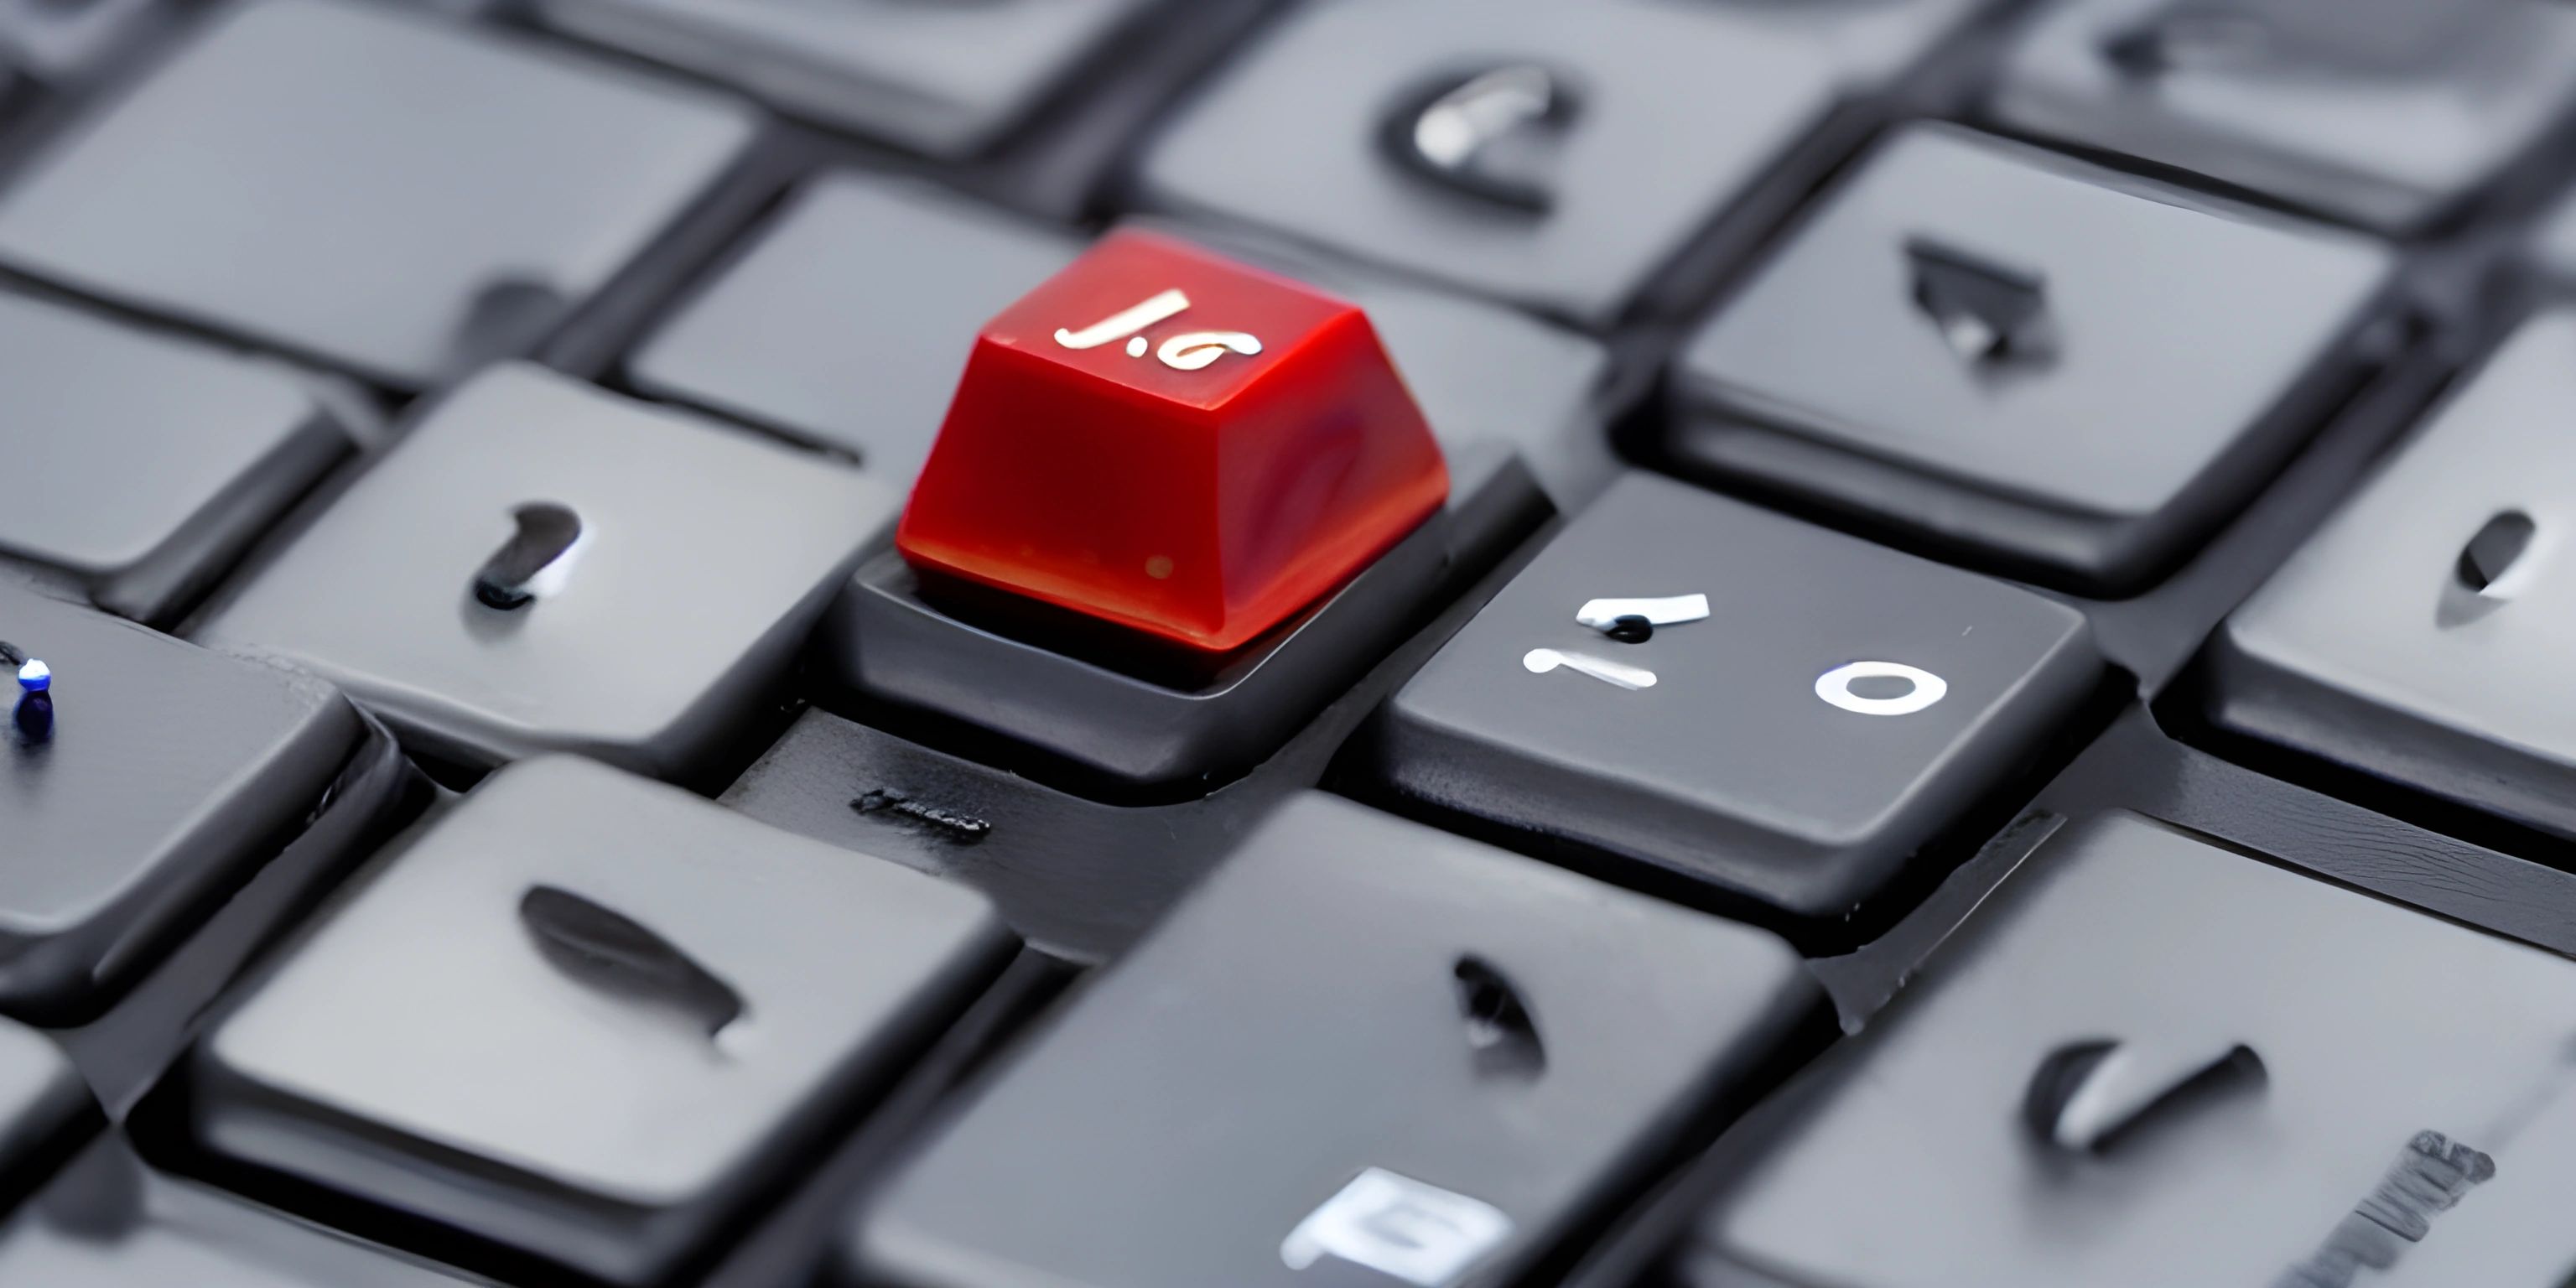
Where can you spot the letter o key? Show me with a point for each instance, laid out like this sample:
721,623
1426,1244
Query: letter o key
1835,687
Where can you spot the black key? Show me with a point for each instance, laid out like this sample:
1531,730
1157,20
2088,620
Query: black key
286,178
1803,714
2387,113
1361,1044
2074,375
43,1107
588,1017
139,466
697,558
2151,1061
945,79
1518,148
2422,635
146,780
108,1222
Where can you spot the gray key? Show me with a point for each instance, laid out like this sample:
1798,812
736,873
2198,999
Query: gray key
539,565
2296,99
847,324
1362,1043
944,79
2151,1061
58,43
389,192
43,1104
160,776
2064,371
142,465
588,1016
1550,178
1795,739
1873,40
2423,634
110,1222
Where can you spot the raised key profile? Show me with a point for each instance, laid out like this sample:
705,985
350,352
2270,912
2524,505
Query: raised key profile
1176,443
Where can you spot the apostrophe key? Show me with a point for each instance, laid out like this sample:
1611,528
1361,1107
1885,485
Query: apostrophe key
1176,504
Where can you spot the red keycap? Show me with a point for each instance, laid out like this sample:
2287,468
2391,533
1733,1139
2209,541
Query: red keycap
1166,439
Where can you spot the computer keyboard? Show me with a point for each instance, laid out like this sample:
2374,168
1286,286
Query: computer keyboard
1319,643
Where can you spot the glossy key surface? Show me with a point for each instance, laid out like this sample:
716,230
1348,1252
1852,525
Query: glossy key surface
2388,114
1169,441
2151,1060
701,557
585,1015
160,777
283,179
2137,364
2423,635
945,79
1356,1030
1794,737
1296,137
141,465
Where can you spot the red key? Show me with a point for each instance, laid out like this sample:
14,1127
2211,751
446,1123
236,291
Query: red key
1166,439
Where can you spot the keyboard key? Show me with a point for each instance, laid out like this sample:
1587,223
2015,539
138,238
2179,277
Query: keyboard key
144,781
1873,40
1539,170
2389,117
1264,453
2150,1061
284,178
1362,1044
143,464
2422,635
2072,374
539,565
109,1222
1784,713
847,320
915,273
43,1108
945,79
588,1017
58,42
1120,605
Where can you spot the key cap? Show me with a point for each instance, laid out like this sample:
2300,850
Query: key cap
1840,705
695,560
280,179
847,321
944,79
2074,375
60,42
1873,40
2421,636
2389,119
44,1106
1401,1051
1262,454
142,781
620,1011
2151,1061
1177,504
1537,168
142,465
109,1222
